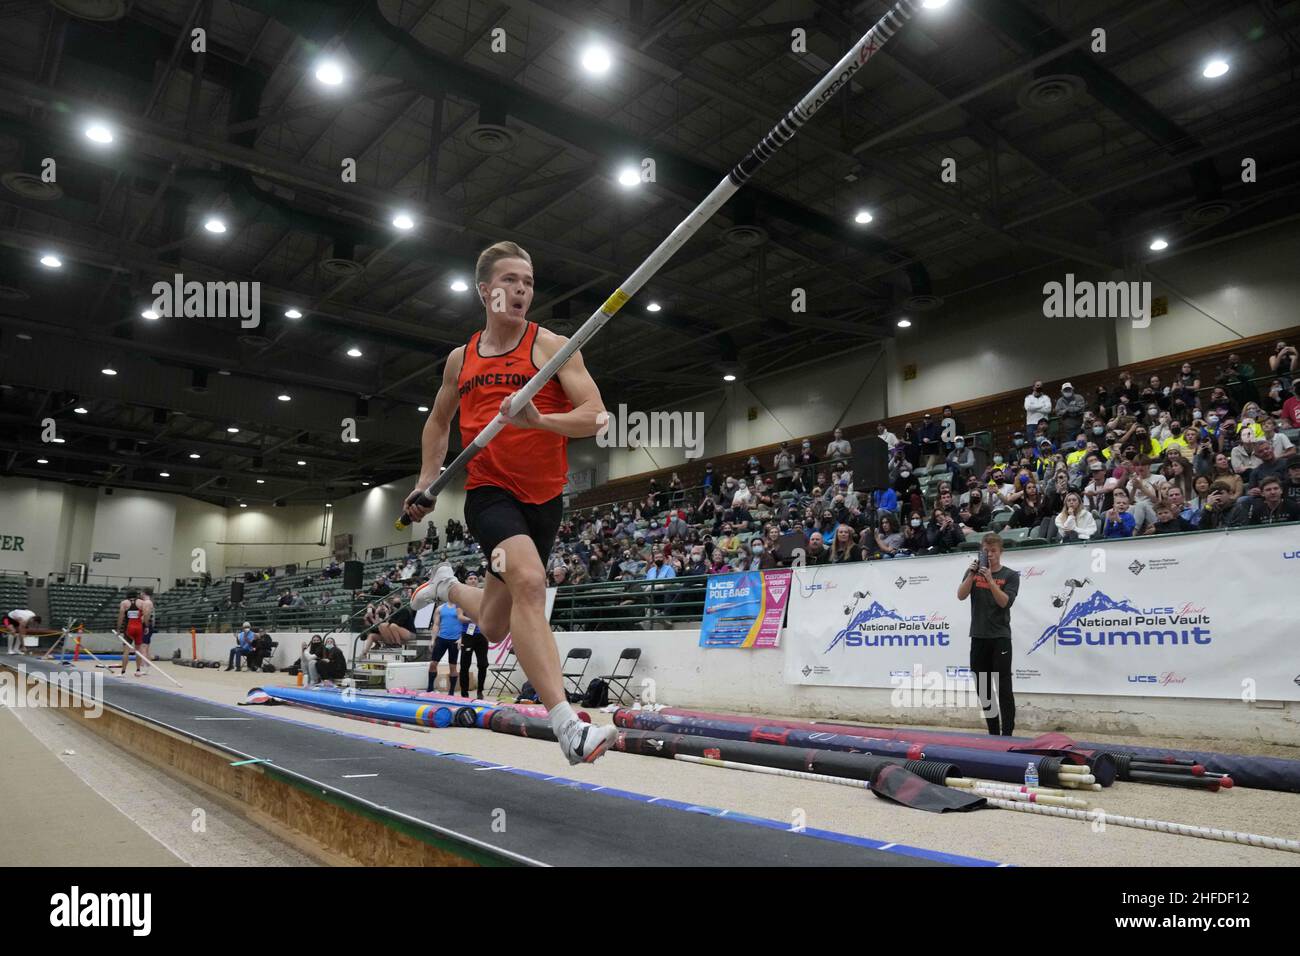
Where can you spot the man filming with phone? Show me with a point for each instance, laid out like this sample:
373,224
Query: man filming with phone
992,589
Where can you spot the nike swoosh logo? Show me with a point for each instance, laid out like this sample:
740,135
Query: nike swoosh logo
510,363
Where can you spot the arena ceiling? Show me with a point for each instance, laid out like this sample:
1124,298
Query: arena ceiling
1063,156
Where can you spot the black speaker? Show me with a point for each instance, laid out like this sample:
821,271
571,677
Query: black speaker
353,571
236,591
870,464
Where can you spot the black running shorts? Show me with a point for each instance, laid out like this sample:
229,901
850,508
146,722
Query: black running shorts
493,514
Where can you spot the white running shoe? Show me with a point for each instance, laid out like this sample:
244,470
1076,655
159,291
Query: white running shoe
583,743
435,590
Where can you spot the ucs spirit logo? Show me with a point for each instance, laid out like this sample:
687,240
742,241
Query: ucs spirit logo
1164,680
1290,556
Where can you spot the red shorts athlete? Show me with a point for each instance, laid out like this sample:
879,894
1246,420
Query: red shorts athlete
513,486
134,616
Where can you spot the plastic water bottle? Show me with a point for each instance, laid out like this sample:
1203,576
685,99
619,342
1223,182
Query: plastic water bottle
1031,774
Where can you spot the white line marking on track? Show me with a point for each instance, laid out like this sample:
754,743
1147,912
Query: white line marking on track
222,718
354,776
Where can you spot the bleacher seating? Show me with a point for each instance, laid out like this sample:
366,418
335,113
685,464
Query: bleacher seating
999,414
78,603
13,592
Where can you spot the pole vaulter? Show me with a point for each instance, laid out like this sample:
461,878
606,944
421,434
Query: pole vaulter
838,77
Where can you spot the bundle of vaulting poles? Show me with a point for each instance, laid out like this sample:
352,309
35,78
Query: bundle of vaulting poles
933,778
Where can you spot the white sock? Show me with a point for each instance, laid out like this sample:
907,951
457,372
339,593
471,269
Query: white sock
560,715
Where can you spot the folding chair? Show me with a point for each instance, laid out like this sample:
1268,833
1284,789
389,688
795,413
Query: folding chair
632,654
503,675
575,678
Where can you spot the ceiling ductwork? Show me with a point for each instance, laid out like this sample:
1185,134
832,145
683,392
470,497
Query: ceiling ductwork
1055,91
31,187
343,264
490,135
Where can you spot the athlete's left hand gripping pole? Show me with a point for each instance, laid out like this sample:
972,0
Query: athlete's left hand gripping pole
780,134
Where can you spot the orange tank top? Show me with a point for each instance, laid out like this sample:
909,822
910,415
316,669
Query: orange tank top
529,463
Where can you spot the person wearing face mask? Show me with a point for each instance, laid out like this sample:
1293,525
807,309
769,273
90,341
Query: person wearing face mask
1162,426
976,516
885,435
1038,406
914,537
900,469
961,460
1069,409
332,665
1101,402
312,653
709,482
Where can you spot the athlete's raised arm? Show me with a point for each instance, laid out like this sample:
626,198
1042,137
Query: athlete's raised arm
586,419
437,429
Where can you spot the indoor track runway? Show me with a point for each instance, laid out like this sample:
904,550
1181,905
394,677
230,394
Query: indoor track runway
627,810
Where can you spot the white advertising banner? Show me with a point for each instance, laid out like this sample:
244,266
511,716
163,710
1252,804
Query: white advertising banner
1203,615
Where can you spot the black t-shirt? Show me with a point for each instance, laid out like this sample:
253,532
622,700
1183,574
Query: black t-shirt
404,617
1286,511
1291,491
987,620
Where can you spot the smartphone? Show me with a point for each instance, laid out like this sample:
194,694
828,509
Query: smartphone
984,558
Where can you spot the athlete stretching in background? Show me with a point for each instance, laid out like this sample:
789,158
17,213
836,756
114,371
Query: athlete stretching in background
513,486
16,625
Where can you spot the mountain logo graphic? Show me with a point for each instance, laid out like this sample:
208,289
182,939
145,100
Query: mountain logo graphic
877,611
1098,603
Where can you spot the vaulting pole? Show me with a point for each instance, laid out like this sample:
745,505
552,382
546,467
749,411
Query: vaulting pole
780,134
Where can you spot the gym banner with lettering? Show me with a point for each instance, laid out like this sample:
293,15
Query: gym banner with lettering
1164,616
745,610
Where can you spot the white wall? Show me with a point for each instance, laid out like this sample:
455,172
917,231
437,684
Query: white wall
138,526
198,525
33,511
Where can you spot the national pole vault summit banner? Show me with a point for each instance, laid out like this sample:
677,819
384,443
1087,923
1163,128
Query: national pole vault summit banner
745,609
1206,615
